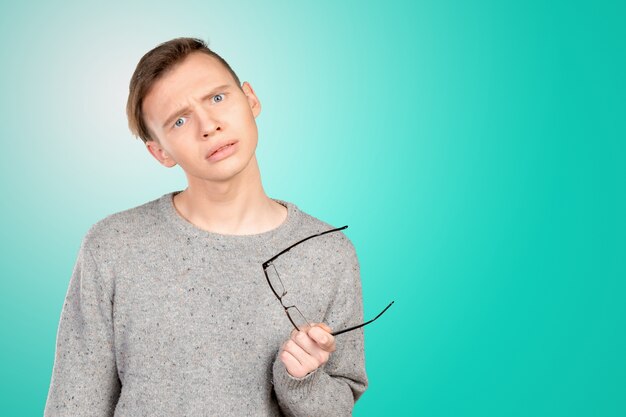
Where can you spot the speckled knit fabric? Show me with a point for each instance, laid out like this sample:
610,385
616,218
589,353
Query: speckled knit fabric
162,318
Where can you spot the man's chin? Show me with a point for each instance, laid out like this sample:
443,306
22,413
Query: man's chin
221,178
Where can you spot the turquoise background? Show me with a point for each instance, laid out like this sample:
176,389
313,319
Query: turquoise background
476,149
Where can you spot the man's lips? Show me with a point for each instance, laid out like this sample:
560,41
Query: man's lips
219,147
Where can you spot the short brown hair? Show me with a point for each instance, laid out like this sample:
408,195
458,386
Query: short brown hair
151,67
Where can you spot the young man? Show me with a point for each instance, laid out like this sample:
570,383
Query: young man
177,307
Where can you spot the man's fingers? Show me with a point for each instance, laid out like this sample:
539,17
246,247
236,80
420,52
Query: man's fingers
325,327
304,359
310,346
291,363
321,334
307,349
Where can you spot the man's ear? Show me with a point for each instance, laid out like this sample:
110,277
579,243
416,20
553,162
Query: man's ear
253,100
160,154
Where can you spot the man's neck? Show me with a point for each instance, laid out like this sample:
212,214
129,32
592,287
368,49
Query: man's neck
236,207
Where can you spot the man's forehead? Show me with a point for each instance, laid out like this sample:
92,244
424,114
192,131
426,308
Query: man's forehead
194,72
193,78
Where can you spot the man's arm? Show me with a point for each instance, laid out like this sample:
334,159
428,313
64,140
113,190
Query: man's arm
84,378
332,388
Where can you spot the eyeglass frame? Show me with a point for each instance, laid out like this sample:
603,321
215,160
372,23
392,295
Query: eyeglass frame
270,261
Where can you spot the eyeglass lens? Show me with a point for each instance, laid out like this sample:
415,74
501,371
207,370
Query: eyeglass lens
294,315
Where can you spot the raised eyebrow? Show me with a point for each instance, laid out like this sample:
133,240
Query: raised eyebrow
177,113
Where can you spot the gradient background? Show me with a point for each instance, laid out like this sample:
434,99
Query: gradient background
476,149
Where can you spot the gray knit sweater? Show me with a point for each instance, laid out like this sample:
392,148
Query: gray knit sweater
162,318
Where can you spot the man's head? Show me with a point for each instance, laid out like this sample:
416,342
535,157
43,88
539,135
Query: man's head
187,103
151,67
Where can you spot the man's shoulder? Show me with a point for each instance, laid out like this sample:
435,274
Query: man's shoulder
125,225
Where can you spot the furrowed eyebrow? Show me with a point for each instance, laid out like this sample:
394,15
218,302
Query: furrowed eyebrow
178,112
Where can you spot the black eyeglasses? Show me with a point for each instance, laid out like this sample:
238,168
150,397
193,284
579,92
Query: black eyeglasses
276,284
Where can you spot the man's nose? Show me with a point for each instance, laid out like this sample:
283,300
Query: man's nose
208,123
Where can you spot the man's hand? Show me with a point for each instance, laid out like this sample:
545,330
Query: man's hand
307,350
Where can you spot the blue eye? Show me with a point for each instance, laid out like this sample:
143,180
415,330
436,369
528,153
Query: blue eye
178,123
219,95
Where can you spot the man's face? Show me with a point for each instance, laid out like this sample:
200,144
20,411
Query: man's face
196,108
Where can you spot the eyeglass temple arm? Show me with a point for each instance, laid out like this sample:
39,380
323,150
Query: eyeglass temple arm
361,325
269,261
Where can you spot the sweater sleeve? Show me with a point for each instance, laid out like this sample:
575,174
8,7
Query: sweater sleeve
84,377
332,389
